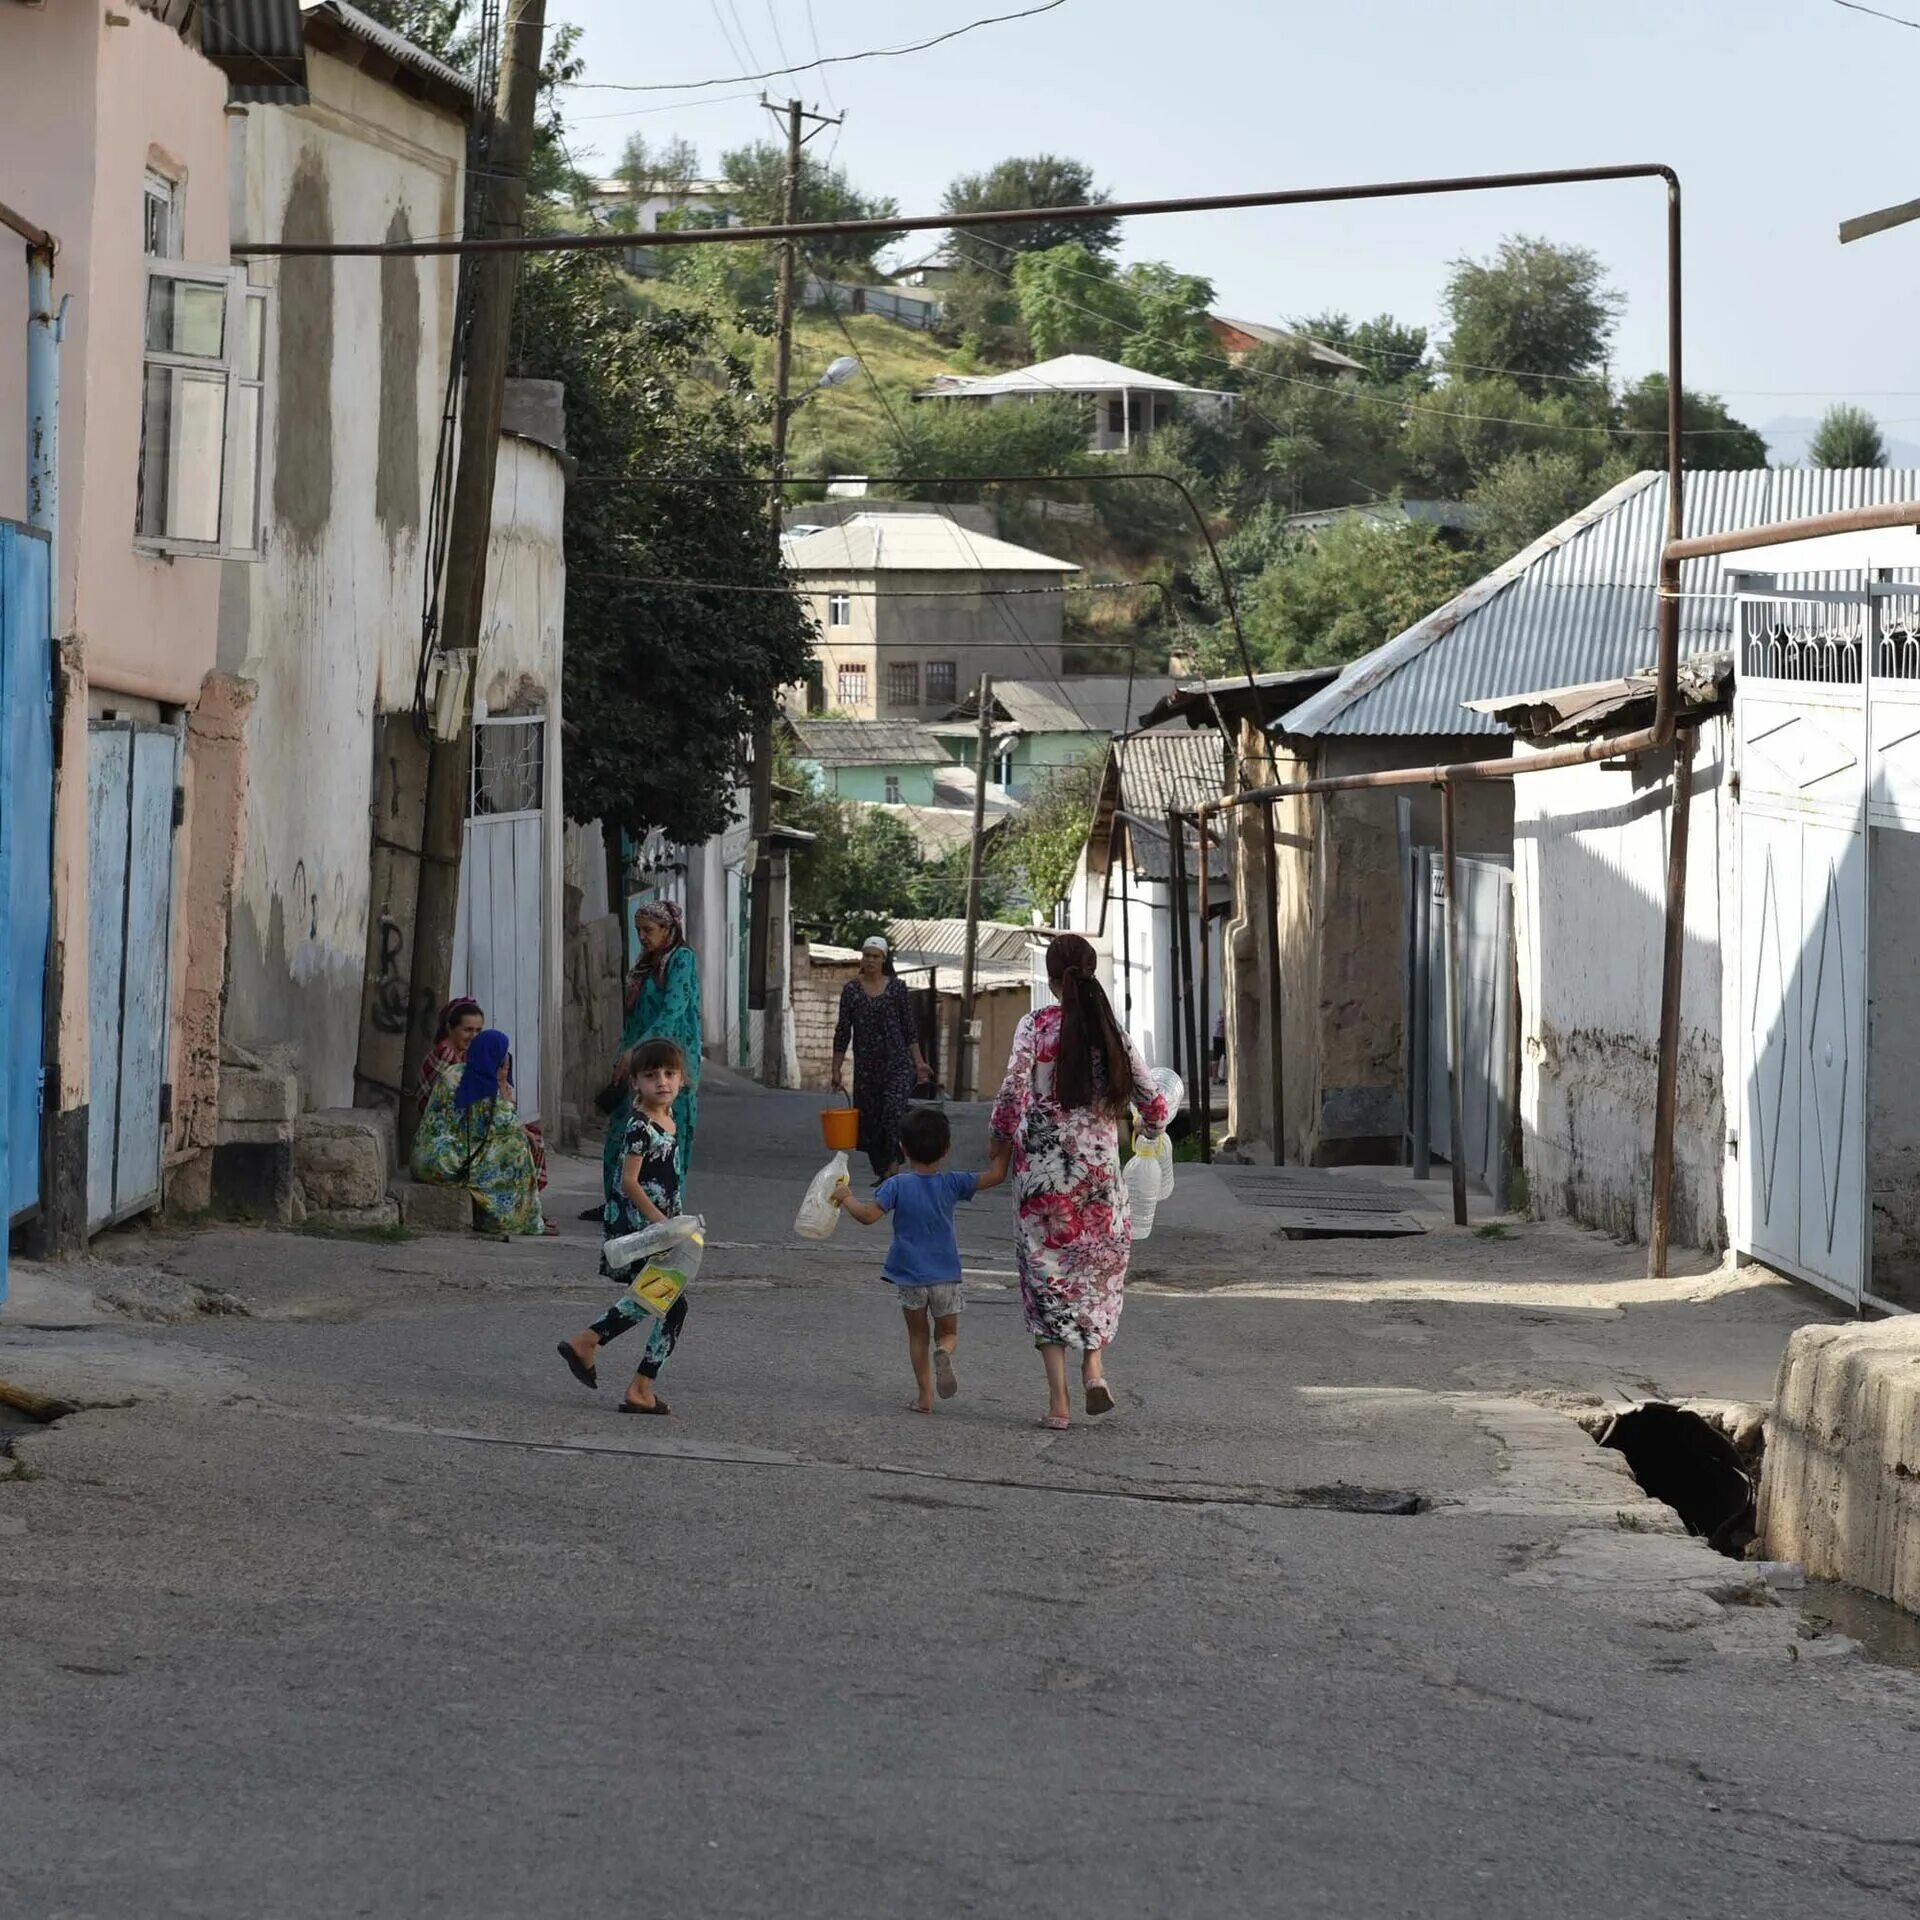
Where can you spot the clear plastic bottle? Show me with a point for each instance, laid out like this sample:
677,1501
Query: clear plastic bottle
1173,1090
663,1260
1143,1178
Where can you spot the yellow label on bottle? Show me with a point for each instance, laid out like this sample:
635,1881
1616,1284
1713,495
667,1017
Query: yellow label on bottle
657,1288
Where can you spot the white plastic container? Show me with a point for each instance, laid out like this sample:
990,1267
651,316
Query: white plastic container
1144,1178
1173,1090
667,1257
818,1216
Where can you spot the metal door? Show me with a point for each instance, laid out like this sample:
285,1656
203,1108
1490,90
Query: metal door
499,948
1800,733
26,862
133,776
1484,904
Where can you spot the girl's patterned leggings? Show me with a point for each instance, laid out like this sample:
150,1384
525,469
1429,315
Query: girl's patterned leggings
663,1334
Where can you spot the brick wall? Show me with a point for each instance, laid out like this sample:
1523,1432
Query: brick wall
817,979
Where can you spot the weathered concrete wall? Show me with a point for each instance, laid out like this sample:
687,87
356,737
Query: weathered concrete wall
1590,863
1840,1490
328,624
216,782
819,972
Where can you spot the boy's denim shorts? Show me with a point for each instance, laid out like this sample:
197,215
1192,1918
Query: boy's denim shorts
938,1301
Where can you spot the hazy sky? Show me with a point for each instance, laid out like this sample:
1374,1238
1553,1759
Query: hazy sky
1782,117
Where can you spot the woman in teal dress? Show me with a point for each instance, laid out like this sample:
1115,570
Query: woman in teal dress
663,1003
470,1136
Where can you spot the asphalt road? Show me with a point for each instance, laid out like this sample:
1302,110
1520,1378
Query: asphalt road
365,1608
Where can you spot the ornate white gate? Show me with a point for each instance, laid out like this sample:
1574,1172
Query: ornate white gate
1828,727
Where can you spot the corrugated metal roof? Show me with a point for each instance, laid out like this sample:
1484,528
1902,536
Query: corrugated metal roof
330,26
259,45
1159,772
868,743
1577,605
1097,703
1000,942
910,543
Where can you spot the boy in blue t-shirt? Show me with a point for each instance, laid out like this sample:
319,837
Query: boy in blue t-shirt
923,1264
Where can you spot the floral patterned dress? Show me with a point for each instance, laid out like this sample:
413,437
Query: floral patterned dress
662,1010
880,1029
1075,1227
483,1148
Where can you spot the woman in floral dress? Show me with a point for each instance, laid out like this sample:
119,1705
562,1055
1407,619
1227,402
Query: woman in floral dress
469,1136
876,1020
1072,1075
663,1003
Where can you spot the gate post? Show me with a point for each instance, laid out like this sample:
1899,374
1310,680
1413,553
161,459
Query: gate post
1667,1064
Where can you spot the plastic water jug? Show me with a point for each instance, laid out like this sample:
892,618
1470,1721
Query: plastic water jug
1143,1179
818,1216
667,1257
1173,1090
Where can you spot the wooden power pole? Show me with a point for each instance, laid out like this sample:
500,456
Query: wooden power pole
760,792
470,518
966,1056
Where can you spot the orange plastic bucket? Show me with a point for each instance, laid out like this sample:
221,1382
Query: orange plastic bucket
840,1127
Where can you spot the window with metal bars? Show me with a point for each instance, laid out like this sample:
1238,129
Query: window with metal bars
943,683
850,687
903,683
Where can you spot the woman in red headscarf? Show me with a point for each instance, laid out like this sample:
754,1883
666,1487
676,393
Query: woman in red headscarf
1071,1077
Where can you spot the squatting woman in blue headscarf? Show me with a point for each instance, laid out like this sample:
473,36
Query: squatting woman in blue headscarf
470,1136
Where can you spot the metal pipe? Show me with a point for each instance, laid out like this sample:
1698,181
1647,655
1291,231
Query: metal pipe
1456,1038
1419,1067
43,416
1205,1063
951,221
38,238
1180,904
1667,1065
1276,1029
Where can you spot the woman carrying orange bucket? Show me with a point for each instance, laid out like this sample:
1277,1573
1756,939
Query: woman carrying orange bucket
876,1019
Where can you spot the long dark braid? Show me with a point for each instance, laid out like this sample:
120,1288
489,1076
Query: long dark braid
1094,1067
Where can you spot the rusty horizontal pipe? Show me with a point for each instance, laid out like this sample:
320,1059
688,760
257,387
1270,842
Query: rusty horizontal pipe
949,222
36,237
1897,513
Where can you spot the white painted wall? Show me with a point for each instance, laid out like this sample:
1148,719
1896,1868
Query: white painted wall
328,624
1590,861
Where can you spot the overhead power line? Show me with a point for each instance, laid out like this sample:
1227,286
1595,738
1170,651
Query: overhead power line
1898,19
808,66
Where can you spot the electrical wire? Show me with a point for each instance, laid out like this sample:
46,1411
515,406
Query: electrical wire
813,33
828,60
1899,20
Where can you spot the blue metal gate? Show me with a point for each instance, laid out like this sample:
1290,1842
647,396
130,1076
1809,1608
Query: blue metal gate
26,859
132,778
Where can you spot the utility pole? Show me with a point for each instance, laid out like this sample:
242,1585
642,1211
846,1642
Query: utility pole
469,520
760,793
966,1060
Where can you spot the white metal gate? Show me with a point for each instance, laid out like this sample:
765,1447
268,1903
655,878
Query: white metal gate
1803,695
499,947
133,774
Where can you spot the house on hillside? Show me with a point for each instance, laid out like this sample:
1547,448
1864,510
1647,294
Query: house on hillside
1127,405
1452,520
901,769
936,270
912,608
1238,338
1044,731
713,203
1356,933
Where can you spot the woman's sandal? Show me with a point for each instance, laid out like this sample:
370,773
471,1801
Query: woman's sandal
1099,1398
630,1406
1055,1422
586,1375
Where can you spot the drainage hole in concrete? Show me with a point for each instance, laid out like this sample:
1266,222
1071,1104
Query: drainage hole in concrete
1686,1463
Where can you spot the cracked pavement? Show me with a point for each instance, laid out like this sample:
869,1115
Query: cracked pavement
358,1605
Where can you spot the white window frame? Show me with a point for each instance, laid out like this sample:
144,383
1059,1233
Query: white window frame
239,536
164,193
839,609
846,680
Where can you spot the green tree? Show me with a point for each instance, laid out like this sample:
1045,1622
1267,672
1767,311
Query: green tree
758,175
1147,316
1528,493
1037,180
1536,314
1392,352
965,438
662,682
1329,599
667,166
1038,849
1710,436
1848,437
1313,440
